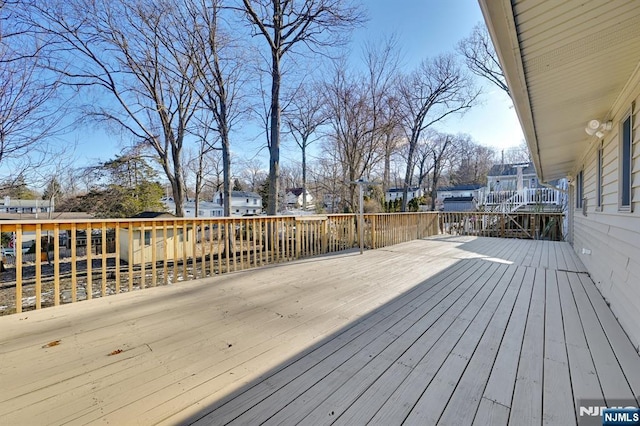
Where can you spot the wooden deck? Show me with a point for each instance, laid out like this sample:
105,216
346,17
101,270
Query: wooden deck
446,330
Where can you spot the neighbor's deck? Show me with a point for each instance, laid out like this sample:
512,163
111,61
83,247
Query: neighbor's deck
455,330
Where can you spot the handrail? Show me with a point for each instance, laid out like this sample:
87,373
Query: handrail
121,255
528,196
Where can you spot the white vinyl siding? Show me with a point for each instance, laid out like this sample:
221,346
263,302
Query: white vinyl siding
611,237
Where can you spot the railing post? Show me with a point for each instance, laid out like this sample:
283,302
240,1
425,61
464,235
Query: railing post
373,231
17,251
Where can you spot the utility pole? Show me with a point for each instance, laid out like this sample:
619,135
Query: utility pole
361,182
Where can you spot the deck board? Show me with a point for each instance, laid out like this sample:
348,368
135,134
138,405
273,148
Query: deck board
445,330
526,406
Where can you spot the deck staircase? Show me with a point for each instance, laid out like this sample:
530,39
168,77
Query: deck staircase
510,203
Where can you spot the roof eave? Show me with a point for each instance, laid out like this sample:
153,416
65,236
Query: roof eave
498,15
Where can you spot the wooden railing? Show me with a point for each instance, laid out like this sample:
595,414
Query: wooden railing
505,225
65,266
510,200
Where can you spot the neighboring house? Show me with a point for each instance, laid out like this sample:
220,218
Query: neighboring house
77,216
512,177
459,204
242,203
575,84
512,187
205,208
294,199
178,245
393,194
470,190
26,206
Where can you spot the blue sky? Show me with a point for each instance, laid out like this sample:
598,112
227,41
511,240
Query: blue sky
425,28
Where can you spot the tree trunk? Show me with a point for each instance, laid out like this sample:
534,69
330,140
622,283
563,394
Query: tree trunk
409,172
226,176
387,169
274,147
304,176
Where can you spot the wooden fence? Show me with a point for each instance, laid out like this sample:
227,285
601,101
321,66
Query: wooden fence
125,255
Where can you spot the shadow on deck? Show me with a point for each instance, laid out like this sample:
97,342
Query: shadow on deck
447,330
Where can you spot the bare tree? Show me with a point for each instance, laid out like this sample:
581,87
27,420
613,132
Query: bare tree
435,90
473,162
441,147
305,114
129,51
31,107
352,136
252,172
424,160
516,154
202,166
284,25
221,65
382,62
480,56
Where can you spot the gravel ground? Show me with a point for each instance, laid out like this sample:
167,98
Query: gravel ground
8,279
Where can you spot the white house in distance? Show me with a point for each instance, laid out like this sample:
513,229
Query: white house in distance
293,199
574,76
393,194
470,190
458,197
26,206
512,177
242,203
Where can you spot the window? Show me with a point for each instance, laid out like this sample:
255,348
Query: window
255,201
625,163
599,173
579,190
147,238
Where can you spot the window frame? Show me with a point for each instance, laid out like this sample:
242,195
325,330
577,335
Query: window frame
579,189
599,177
625,151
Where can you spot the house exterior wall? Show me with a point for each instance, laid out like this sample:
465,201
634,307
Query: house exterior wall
397,193
606,239
183,242
510,182
247,203
460,206
25,206
296,201
241,203
457,193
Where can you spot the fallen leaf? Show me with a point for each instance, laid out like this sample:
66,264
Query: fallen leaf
116,352
51,344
